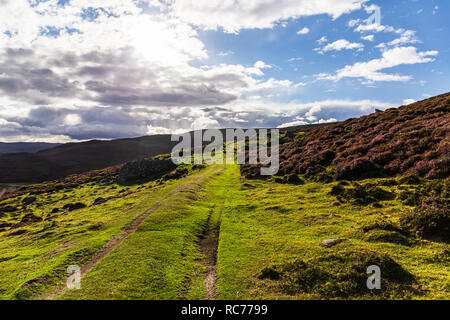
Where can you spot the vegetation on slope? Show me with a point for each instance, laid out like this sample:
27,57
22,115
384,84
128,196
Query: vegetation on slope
413,139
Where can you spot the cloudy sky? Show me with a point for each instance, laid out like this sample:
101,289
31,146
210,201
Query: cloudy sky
83,69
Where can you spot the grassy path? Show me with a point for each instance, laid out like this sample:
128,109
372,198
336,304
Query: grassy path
116,240
154,261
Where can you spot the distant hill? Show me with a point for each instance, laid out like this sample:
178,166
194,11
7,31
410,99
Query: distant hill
72,158
31,147
412,139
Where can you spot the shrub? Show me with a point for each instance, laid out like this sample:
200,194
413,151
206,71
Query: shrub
292,179
430,220
357,169
326,157
365,194
337,190
410,179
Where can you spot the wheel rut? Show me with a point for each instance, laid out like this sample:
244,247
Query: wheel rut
116,240
209,245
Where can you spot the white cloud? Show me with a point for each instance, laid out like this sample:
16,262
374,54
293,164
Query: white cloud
331,120
353,22
140,60
408,101
225,53
341,44
293,124
305,30
234,15
435,10
390,58
322,40
44,123
407,36
72,120
374,28
368,38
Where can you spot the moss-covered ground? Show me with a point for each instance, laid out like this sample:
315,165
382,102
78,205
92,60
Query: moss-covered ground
270,242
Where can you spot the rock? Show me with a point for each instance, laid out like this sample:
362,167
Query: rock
144,170
29,200
74,206
331,242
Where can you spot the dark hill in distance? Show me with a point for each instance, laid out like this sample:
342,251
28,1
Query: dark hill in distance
72,158
30,147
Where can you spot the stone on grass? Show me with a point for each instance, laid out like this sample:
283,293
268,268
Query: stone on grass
331,242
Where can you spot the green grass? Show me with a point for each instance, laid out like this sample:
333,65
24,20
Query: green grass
263,225
269,224
45,248
159,260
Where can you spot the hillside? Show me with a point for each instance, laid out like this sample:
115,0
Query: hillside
29,147
73,158
413,139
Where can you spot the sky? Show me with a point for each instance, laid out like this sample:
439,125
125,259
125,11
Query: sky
74,70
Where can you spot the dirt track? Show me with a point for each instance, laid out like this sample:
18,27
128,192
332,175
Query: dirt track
116,240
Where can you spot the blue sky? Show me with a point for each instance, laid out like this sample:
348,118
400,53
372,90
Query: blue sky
278,45
77,69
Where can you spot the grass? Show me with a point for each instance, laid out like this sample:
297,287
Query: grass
157,261
264,226
273,224
46,247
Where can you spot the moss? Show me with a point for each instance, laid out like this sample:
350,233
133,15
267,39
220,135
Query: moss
36,286
362,194
341,275
386,236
